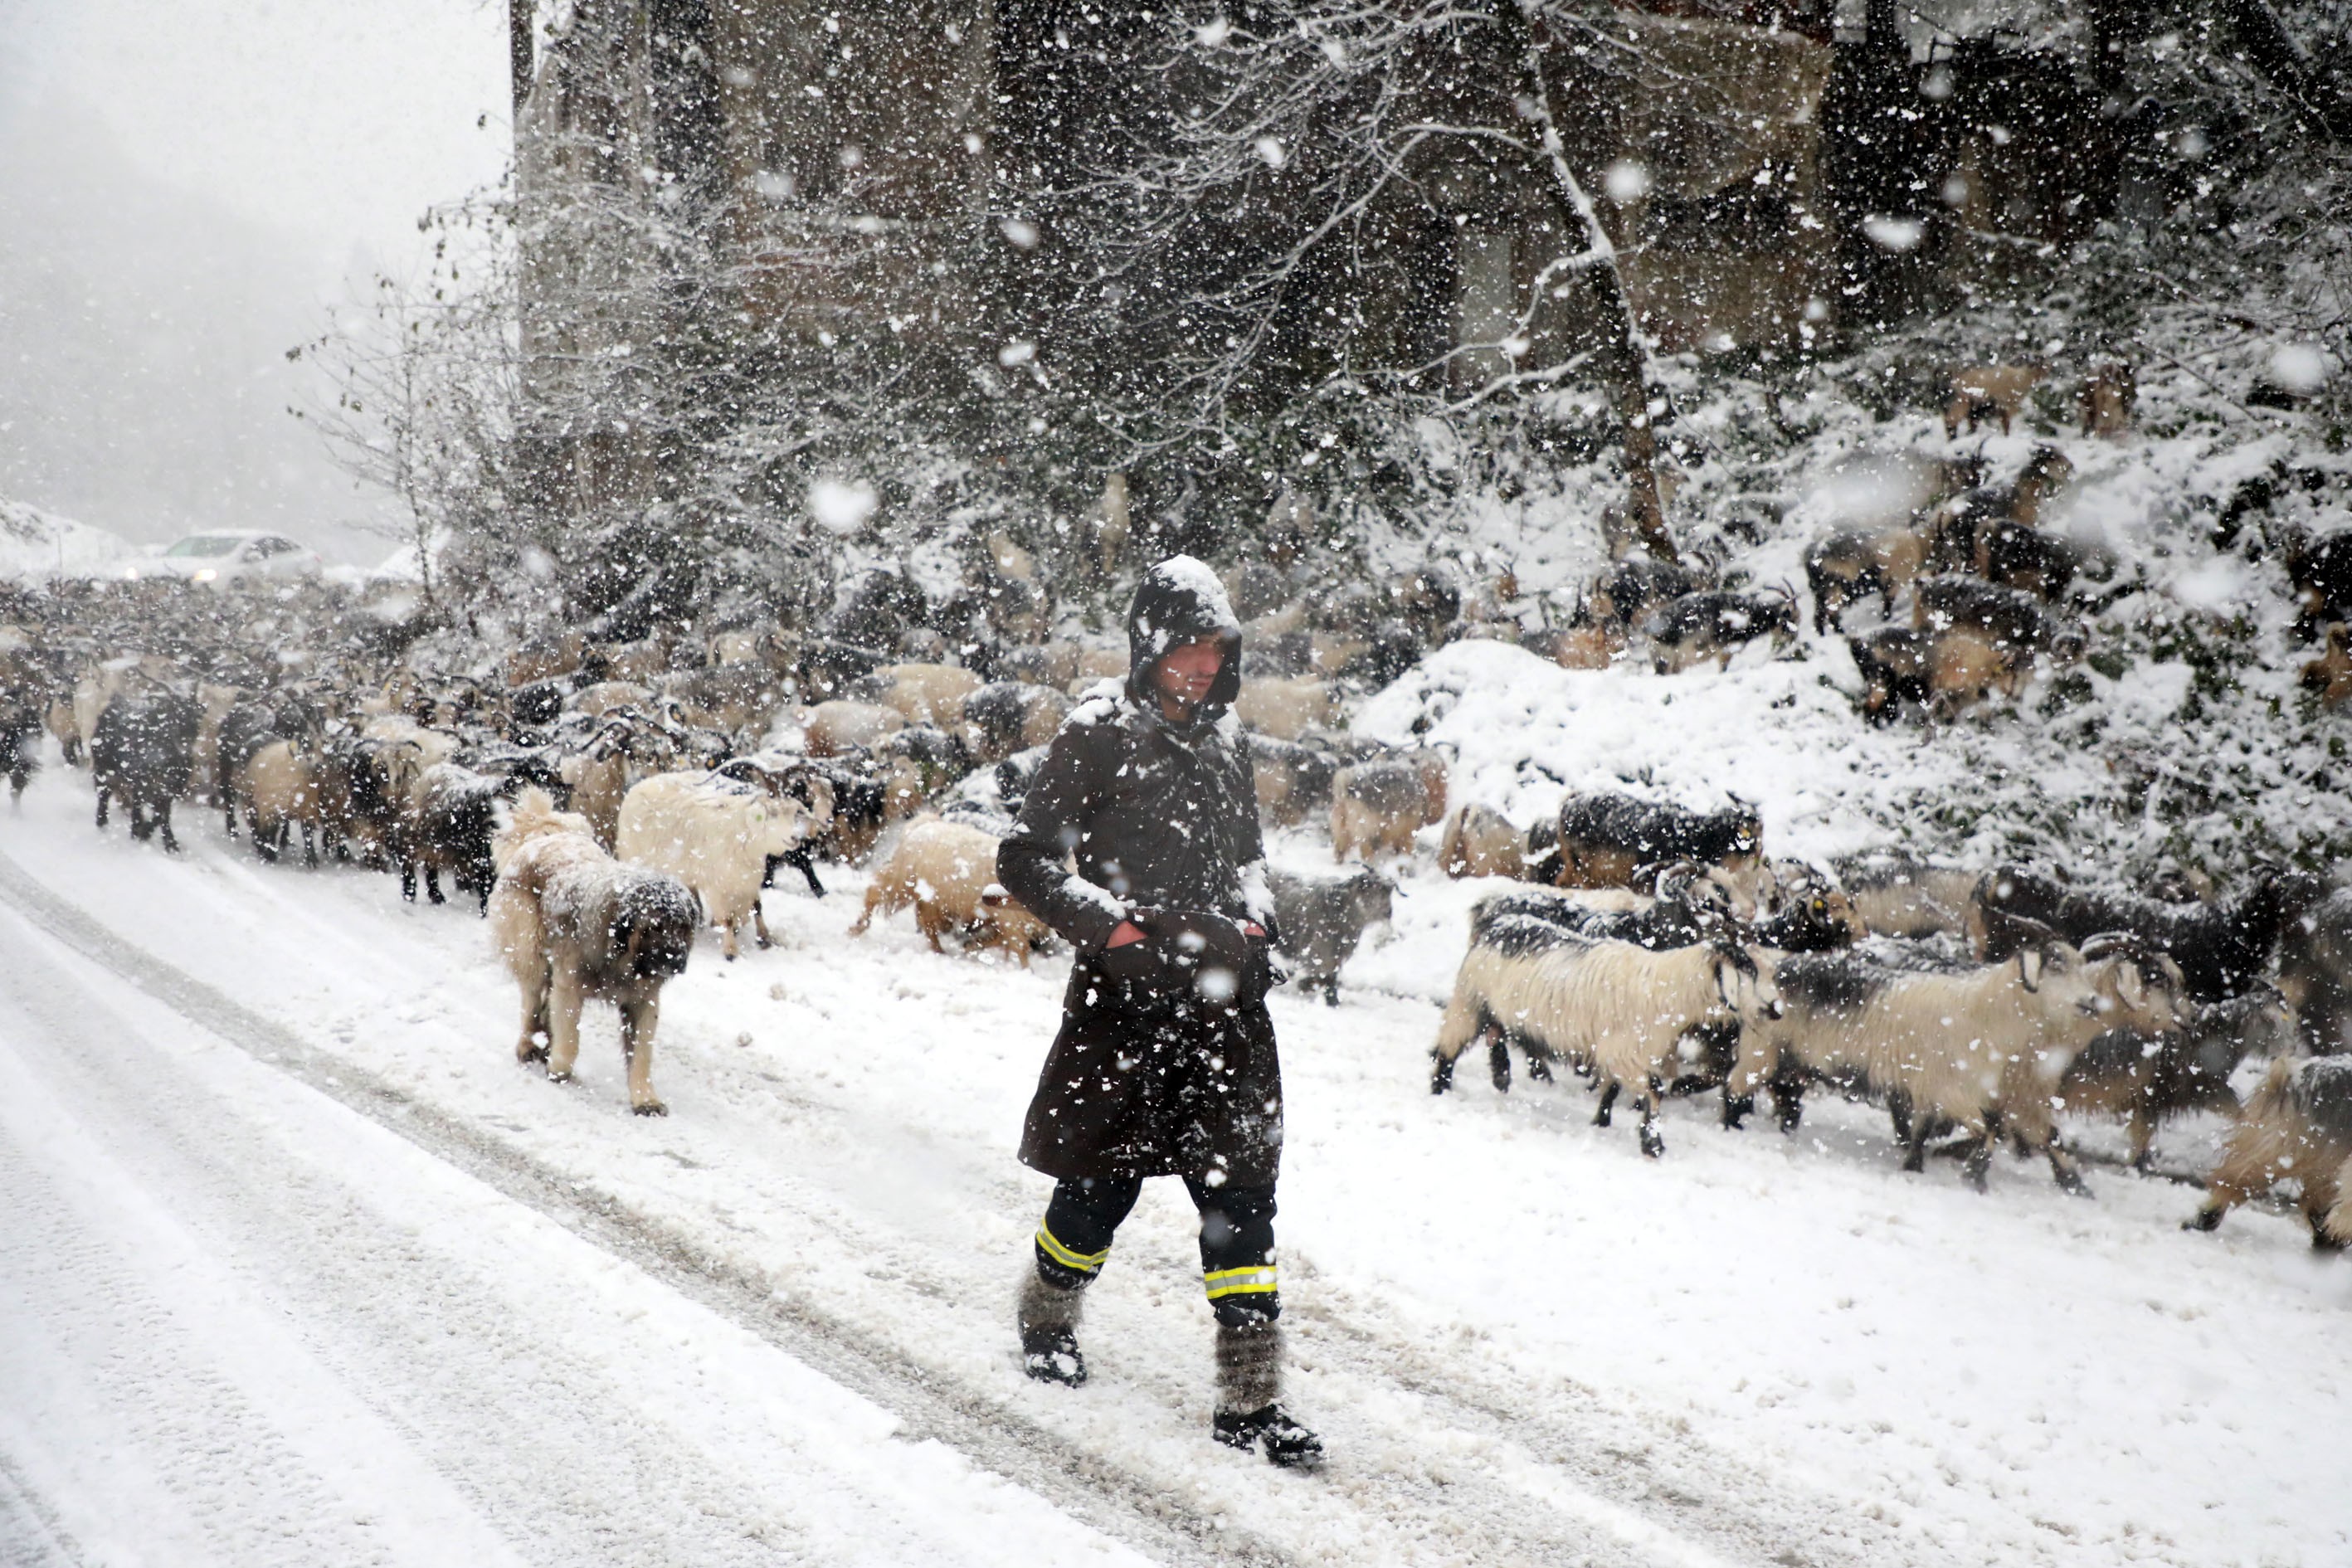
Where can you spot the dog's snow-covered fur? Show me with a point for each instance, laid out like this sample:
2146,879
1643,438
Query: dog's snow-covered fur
574,923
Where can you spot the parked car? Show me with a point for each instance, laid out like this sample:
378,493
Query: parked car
222,556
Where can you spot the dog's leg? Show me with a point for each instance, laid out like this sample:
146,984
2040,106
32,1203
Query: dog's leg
637,1021
563,1000
531,1044
760,926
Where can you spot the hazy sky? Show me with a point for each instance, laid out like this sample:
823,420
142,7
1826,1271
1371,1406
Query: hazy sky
184,187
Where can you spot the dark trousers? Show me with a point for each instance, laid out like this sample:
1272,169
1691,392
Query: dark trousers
1237,1266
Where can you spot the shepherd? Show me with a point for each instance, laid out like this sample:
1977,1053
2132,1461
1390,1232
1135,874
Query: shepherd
1165,1064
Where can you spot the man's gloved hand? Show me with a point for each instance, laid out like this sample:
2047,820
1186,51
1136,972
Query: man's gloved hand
1180,950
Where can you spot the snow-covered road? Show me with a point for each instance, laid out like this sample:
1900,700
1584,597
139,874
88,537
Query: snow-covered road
299,1267
241,1324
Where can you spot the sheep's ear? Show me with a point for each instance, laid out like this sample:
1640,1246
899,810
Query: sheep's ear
2030,964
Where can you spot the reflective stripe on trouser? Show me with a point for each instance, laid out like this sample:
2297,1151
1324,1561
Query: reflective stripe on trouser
1257,1280
1050,1247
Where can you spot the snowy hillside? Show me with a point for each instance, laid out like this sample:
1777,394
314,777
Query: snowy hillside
37,546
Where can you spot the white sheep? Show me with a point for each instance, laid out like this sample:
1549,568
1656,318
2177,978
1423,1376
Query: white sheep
1982,1048
1619,1010
280,785
921,693
715,834
1287,709
840,726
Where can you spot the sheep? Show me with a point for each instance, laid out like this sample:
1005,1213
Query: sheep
1687,631
1902,897
1621,1010
142,748
1983,1048
1007,716
1320,923
2149,1079
714,834
1690,906
1377,806
1293,779
1049,664
732,697
2297,1122
1287,709
922,693
2222,949
1604,838
544,657
838,727
283,790
946,871
1989,392
572,924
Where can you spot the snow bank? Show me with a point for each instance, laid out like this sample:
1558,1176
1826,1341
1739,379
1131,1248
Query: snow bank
1781,735
38,546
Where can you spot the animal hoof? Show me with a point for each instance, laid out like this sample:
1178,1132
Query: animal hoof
1651,1144
651,1108
555,1077
528,1053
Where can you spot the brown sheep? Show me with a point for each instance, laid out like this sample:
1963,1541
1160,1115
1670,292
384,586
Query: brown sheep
1988,392
947,872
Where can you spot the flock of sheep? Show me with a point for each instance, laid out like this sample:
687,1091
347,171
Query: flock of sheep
1652,948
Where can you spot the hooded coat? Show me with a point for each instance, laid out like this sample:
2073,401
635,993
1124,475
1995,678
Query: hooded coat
1165,1064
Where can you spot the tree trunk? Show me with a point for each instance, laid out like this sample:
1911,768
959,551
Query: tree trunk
1624,356
519,60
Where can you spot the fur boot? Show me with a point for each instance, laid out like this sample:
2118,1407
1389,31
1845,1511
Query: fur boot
1048,1319
1249,1389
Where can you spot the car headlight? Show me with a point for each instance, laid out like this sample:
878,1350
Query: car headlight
205,573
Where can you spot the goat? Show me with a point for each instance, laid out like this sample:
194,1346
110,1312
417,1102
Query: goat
1695,627
2315,973
1287,708
1320,923
2297,1122
1621,1010
1605,837
1900,896
1377,806
1989,391
840,726
2222,949
2107,397
143,750
1480,841
2149,1079
1293,779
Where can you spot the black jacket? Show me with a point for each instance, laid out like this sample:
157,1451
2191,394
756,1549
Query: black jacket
1165,1063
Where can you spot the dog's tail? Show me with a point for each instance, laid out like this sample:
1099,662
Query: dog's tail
534,816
